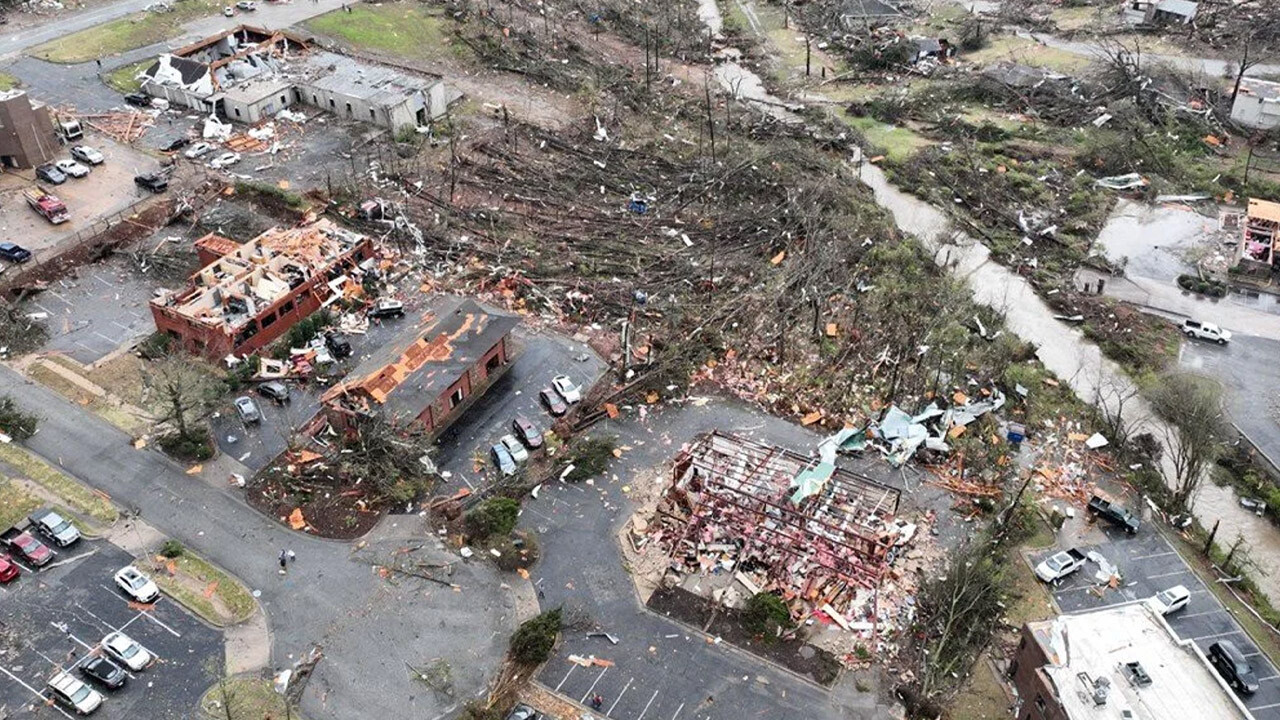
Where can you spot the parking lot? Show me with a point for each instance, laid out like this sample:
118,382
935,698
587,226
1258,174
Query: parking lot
97,312
1148,564
106,190
57,616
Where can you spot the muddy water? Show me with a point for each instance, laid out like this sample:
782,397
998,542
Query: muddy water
1061,348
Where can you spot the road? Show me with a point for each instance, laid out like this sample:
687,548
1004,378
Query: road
1248,370
369,627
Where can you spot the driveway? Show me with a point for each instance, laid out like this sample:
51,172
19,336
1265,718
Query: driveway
369,627
1149,564
55,617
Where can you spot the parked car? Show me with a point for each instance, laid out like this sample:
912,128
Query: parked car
1114,514
138,99
228,11
513,446
155,182
339,347
1170,601
55,527
247,409
87,155
22,542
137,585
14,252
1059,565
506,464
247,5
1232,665
8,569
51,175
70,691
126,651
71,168
527,432
523,712
224,160
563,385
386,308
177,144
275,390
552,402
1205,331
105,672
200,148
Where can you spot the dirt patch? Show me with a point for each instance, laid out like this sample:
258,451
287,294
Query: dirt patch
328,510
795,655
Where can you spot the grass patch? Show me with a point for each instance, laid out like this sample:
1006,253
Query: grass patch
1028,599
78,497
1028,52
981,697
1076,18
15,503
124,79
8,82
408,30
245,698
897,143
80,396
196,572
127,33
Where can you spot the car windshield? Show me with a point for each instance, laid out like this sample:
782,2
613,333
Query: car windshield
78,696
126,648
1167,597
1055,564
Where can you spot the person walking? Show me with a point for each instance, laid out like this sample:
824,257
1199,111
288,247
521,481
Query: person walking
284,561
597,702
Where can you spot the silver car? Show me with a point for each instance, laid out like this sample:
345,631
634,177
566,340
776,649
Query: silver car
247,409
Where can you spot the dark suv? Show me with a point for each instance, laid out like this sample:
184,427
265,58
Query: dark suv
155,182
1233,667
338,346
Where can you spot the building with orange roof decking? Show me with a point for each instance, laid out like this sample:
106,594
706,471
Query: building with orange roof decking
430,373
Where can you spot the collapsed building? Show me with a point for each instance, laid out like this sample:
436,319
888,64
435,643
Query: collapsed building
1257,105
249,74
28,136
430,373
1260,240
768,518
248,295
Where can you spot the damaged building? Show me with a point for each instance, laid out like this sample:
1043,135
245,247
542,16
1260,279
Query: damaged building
430,373
769,519
248,74
248,295
1119,662
1260,240
1257,105
27,134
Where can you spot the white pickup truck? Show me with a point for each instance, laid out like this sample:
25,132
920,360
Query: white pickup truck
1059,565
1205,331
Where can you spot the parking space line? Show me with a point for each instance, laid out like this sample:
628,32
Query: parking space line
105,624
1199,614
1269,677
593,684
566,676
34,691
1221,634
646,707
673,717
1183,571
1263,707
619,698
1154,555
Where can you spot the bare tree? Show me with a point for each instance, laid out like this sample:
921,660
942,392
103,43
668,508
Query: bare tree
1191,406
375,451
1248,59
1110,395
185,392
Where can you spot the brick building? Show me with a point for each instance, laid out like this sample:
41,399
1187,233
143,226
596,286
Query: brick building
246,296
430,373
1119,662
27,134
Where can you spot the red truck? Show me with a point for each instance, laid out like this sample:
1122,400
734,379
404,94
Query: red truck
47,205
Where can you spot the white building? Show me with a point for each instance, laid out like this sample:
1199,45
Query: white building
1257,104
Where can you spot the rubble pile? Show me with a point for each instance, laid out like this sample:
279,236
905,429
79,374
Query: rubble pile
739,517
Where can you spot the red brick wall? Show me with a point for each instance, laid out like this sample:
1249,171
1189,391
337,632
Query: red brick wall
1037,696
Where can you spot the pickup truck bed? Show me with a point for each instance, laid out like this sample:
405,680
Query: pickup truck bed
1060,564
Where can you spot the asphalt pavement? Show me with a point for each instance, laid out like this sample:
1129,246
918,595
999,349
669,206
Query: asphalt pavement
369,627
1250,376
1149,564
56,617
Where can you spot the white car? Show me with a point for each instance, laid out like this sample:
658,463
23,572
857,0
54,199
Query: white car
86,154
195,151
570,392
224,160
82,698
136,585
1171,600
72,168
516,448
126,651
1206,331
247,5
